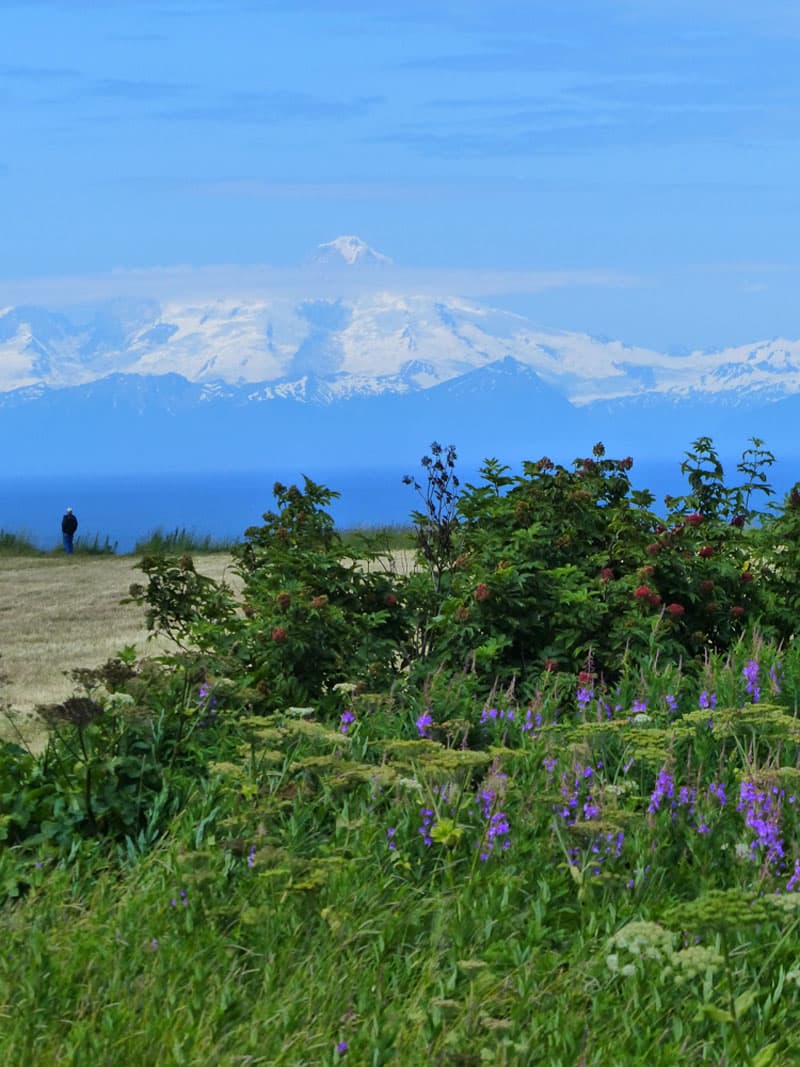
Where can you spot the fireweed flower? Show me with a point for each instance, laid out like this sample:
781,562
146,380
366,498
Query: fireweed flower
497,833
762,810
584,695
347,719
604,847
665,787
426,821
493,715
750,672
423,722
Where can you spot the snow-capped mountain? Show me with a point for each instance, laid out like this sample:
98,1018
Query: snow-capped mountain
350,250
380,342
380,357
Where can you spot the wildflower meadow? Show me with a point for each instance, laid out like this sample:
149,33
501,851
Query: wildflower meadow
536,801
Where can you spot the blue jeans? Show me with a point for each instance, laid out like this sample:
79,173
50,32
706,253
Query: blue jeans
68,543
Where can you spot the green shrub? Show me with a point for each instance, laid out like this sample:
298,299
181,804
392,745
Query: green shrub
568,568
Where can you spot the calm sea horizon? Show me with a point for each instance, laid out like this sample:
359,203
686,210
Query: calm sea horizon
127,508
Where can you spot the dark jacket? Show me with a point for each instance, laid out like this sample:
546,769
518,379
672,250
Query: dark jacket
69,524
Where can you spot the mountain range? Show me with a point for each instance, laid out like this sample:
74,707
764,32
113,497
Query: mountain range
368,377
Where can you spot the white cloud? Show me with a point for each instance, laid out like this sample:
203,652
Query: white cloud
243,281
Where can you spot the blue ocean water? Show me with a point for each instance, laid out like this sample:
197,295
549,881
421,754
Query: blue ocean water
127,508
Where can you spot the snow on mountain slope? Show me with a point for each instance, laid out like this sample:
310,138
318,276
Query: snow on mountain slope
352,250
382,341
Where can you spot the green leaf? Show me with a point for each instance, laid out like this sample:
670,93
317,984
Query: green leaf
765,1056
718,1015
743,1002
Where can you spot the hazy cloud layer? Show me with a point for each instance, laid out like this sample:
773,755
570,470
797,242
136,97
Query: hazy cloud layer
308,281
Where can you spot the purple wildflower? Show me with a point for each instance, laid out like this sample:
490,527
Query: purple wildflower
639,706
390,837
708,700
672,703
341,1048
665,787
750,672
496,834
346,721
423,722
762,814
426,820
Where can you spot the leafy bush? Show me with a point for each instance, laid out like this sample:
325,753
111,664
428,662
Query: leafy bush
563,568
314,614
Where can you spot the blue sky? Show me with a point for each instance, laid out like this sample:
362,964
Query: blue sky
627,167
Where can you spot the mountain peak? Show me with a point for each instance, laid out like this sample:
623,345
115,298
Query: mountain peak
352,250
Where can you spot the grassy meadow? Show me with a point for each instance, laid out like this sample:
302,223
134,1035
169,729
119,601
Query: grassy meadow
532,800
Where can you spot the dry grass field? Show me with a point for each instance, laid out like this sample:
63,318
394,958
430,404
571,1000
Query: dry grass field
57,613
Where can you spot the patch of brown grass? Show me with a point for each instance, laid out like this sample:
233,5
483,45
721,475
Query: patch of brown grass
58,613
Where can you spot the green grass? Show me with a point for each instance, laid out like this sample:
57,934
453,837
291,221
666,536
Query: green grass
391,537
17,544
180,541
272,919
91,545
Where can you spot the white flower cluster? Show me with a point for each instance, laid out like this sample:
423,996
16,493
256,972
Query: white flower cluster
644,941
693,962
650,941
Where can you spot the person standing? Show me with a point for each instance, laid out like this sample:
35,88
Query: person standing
69,524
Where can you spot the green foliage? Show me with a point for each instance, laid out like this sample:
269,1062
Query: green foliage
17,544
316,614
385,538
505,809
572,567
93,546
180,541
